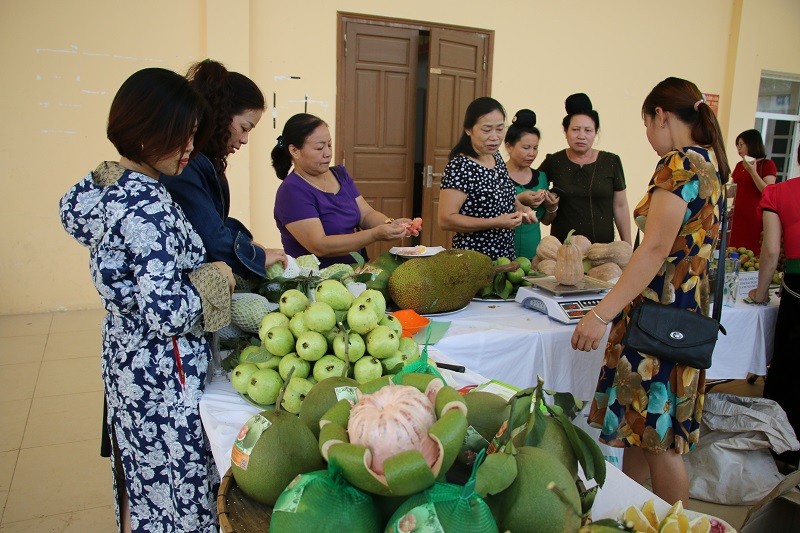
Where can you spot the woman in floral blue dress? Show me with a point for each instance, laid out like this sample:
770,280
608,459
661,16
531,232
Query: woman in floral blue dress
148,266
649,406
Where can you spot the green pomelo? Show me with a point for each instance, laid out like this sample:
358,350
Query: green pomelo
322,397
455,511
528,506
554,441
284,450
323,503
486,412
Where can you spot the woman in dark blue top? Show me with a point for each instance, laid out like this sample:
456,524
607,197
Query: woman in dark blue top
235,106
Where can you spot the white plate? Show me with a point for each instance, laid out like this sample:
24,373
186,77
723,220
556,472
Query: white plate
443,313
493,299
411,251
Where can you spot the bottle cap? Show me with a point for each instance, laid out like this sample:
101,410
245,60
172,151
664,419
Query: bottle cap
734,255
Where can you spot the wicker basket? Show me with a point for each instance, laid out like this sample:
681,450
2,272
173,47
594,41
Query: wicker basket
237,512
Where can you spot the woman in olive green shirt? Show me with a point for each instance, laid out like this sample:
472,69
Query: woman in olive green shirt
593,182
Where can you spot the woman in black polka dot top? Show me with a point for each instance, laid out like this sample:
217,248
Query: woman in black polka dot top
477,199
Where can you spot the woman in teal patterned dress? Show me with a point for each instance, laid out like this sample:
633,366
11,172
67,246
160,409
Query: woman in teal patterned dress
649,406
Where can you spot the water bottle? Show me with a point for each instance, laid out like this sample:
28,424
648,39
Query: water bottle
731,280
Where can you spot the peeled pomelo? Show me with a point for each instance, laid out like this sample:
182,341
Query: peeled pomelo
639,520
384,464
649,511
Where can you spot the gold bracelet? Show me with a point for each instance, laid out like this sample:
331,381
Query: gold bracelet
605,322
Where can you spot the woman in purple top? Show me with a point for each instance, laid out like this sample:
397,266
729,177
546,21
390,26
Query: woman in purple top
318,208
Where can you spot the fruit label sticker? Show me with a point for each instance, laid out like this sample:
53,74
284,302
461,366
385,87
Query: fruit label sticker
247,439
420,519
346,393
289,500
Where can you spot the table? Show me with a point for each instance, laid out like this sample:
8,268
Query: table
515,345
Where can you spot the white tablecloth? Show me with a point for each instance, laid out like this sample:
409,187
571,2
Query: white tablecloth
515,345
747,348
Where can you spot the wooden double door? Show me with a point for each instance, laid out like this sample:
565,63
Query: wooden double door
402,91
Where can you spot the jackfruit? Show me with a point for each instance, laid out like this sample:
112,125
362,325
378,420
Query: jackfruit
444,282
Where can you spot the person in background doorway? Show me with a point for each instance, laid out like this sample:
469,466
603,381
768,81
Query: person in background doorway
161,293
653,407
594,199
751,175
478,200
318,208
235,106
780,208
522,145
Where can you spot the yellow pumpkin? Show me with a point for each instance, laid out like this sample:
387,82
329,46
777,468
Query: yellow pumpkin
569,263
548,247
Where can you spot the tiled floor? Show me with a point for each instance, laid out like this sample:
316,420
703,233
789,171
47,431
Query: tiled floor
52,478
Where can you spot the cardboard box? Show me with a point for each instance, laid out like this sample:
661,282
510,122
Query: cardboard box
777,511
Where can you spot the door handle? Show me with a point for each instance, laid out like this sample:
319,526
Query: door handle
429,174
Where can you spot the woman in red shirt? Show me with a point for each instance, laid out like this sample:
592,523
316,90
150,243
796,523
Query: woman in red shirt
751,175
780,205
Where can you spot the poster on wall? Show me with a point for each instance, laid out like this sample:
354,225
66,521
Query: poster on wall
713,101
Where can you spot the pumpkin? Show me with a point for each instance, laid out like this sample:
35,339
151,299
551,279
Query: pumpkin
582,242
569,262
547,266
605,272
618,252
548,247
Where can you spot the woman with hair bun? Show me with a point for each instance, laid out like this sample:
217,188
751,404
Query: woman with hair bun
593,182
235,105
651,406
522,145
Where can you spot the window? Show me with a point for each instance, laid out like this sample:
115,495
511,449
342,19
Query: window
778,120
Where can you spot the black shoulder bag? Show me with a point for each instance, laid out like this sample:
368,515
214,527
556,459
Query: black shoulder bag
675,334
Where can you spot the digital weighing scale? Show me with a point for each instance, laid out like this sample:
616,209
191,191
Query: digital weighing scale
564,303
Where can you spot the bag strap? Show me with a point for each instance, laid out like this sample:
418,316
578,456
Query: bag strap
723,244
719,283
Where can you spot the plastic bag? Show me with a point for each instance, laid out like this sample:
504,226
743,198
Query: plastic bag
732,464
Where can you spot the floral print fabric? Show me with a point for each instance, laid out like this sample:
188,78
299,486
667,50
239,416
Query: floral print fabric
141,250
640,399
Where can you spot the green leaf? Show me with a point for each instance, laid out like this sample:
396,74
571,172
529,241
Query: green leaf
497,472
499,282
567,402
536,427
587,499
358,258
517,417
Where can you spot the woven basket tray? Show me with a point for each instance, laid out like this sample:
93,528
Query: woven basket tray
237,512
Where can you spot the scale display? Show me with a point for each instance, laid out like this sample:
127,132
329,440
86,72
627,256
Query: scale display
567,309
